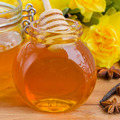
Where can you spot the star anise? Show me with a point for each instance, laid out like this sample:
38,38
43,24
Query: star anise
109,73
111,106
118,90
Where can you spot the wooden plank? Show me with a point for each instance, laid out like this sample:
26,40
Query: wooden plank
101,88
85,112
12,106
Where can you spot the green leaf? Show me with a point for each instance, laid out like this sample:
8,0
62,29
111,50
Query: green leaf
74,11
74,17
97,15
65,11
93,21
80,16
111,11
75,14
116,4
109,2
112,3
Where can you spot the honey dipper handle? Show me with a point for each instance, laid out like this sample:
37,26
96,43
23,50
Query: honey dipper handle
47,5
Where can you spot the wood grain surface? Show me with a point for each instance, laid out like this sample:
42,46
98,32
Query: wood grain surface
12,106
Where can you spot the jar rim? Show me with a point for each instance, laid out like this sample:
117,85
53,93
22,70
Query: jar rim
14,9
74,27
12,16
55,37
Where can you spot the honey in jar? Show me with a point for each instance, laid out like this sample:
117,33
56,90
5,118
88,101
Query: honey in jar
10,39
55,71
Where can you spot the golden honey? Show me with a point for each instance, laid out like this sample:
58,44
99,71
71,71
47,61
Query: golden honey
54,77
6,63
10,39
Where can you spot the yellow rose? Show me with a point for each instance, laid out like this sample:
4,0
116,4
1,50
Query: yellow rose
59,4
87,7
103,40
38,4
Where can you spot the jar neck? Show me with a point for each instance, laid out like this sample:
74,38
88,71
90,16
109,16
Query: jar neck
55,37
12,12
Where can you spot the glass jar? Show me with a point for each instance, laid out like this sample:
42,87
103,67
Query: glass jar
55,71
10,39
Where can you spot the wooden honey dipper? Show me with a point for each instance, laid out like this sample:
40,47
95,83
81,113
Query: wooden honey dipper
52,19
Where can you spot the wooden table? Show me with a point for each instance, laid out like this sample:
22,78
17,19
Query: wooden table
12,106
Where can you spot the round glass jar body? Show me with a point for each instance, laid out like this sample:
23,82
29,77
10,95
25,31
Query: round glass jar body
54,72
10,38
